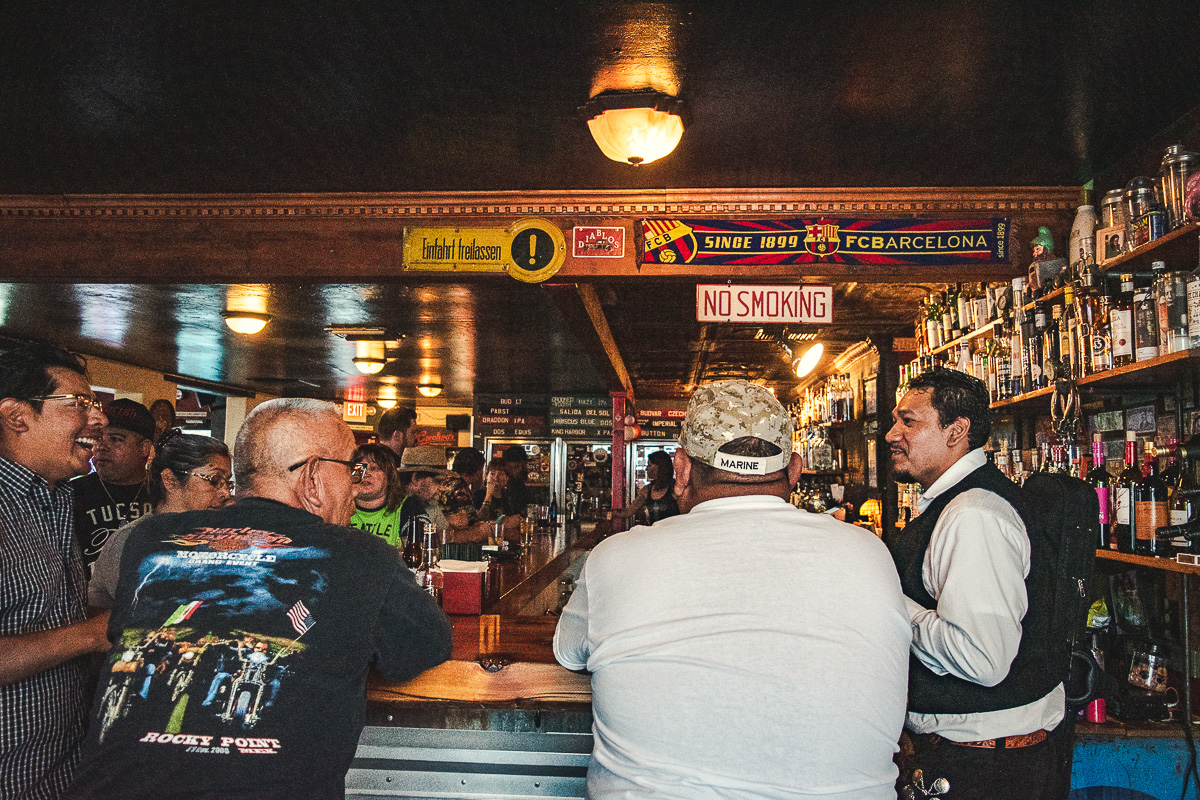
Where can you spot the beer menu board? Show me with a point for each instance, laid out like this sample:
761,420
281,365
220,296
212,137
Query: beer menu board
580,417
512,416
660,423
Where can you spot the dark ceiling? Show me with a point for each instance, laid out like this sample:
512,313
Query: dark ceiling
340,96
369,96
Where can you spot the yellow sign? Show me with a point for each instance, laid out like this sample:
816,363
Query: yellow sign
530,250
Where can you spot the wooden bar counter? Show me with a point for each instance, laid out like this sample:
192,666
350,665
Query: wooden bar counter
502,660
501,719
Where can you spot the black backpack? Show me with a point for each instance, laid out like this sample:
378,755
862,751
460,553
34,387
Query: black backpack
1066,512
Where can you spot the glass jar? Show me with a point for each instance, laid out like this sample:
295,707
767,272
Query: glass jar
1148,668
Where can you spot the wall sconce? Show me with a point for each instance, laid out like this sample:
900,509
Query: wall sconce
429,389
634,127
808,362
369,356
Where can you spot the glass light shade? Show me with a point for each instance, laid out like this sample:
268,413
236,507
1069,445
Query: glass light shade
636,135
245,321
369,366
386,402
429,389
808,362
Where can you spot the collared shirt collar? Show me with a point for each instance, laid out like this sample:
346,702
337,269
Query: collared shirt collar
957,471
18,480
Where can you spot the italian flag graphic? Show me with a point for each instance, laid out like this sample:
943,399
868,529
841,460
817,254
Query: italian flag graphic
182,613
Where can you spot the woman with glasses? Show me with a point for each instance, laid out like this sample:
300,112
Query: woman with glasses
187,473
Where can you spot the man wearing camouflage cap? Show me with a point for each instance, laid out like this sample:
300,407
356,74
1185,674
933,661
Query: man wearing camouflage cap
745,648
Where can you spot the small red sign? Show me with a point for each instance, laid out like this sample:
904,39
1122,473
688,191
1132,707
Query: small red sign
436,436
593,242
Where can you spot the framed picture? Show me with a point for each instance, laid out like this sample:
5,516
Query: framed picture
869,399
1110,243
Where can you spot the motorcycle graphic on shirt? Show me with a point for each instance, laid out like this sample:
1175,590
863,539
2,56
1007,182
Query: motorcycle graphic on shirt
183,669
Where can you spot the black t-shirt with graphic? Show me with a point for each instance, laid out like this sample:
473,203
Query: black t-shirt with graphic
101,508
242,642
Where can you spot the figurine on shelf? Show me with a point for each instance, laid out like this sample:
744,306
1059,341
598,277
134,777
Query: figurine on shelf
1045,268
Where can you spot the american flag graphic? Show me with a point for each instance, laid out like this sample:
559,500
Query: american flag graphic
301,618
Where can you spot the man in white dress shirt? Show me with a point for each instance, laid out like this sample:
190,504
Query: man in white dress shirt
744,648
983,697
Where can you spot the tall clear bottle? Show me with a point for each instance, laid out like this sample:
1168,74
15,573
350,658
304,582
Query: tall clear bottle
1102,482
1120,323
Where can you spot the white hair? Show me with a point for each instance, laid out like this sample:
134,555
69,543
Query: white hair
273,433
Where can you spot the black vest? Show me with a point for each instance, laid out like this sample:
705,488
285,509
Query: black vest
1029,677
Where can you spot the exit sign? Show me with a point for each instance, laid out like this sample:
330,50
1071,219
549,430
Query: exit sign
723,303
354,412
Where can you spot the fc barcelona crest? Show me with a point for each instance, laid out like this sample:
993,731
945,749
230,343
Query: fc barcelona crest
668,241
821,238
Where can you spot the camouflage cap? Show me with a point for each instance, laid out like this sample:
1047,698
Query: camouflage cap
727,410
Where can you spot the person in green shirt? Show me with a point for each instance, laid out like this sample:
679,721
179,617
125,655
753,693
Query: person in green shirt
380,494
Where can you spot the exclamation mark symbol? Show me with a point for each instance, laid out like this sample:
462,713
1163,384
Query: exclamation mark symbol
532,249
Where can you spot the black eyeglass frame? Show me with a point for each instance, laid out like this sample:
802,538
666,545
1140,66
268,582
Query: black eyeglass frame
357,468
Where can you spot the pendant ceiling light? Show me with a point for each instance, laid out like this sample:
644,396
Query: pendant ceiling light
248,322
634,127
429,389
369,356
246,308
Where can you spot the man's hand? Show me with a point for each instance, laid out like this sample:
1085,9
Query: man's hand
27,654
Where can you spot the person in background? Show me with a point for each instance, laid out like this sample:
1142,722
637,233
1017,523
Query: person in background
517,496
982,699
49,423
380,494
116,493
495,482
397,430
426,468
282,567
163,413
468,464
744,648
187,473
656,500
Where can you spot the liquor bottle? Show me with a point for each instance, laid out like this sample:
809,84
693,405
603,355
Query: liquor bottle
1150,509
1101,347
965,309
1051,357
1145,325
1120,322
1123,530
985,304
1181,507
1084,313
1160,293
1037,350
949,312
1102,482
1004,365
1067,330
1020,366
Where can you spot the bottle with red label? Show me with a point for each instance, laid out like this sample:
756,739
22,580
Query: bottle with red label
1150,508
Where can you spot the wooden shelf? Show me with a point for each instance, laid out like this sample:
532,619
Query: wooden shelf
1179,249
1151,374
1153,562
975,334
1020,401
1046,298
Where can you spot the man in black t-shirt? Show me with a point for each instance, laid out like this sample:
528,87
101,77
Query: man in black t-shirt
116,492
317,603
517,495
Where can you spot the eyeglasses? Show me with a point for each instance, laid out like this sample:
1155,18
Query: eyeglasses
218,482
357,468
80,402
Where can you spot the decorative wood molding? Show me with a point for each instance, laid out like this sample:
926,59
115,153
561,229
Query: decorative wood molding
448,205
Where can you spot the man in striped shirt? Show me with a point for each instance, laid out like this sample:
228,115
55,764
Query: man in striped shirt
49,420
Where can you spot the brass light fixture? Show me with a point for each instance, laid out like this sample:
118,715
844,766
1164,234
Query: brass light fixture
429,389
246,308
636,127
369,356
